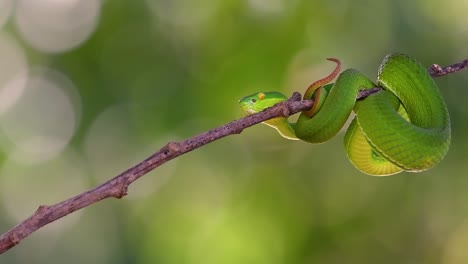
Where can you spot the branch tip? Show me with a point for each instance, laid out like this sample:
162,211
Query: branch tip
436,68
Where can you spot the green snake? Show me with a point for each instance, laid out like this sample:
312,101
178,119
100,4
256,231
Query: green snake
403,127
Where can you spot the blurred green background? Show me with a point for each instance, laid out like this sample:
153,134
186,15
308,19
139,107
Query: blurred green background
88,88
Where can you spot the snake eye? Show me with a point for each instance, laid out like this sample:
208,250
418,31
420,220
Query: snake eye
261,96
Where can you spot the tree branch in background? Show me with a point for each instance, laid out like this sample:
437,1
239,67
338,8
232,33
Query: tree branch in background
117,186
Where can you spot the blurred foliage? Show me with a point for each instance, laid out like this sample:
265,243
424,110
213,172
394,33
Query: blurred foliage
158,71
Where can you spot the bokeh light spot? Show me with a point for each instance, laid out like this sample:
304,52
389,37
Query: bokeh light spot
23,187
12,62
43,120
185,12
455,248
111,146
26,186
249,238
56,26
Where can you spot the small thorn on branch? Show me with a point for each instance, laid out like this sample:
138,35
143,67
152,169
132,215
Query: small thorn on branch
41,209
296,96
120,190
288,107
173,147
14,239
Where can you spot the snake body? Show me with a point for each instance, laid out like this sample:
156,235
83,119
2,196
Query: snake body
404,127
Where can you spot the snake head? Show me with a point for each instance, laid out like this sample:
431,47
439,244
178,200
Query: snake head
258,102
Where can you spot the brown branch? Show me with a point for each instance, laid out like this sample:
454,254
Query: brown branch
437,71
117,186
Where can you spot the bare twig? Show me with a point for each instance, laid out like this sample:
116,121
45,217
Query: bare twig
117,186
436,70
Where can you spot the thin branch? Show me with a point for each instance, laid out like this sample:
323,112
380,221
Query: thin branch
437,71
117,186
